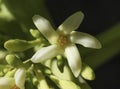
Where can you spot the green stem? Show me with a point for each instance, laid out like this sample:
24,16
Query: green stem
42,82
34,42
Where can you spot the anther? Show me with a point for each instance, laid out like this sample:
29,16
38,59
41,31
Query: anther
63,40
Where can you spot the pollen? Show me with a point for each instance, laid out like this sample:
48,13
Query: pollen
63,40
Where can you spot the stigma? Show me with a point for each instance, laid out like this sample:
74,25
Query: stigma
63,40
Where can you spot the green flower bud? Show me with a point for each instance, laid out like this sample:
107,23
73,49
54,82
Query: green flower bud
2,54
44,69
87,72
35,33
3,69
64,84
66,74
1,74
19,45
60,63
14,61
10,73
35,81
42,83
29,84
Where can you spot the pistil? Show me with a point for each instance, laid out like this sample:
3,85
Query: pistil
63,40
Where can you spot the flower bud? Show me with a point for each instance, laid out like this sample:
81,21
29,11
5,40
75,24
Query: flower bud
87,72
14,61
20,76
17,45
60,63
6,83
29,84
65,84
1,74
66,74
10,73
35,33
2,54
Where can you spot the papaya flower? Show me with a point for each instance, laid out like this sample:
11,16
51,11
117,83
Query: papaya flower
16,82
7,83
63,41
20,78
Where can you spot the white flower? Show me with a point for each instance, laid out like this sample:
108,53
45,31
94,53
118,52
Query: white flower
63,41
17,82
6,83
20,78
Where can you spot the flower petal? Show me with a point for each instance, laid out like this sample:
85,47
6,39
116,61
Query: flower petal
45,53
45,28
74,59
85,39
6,83
71,23
20,78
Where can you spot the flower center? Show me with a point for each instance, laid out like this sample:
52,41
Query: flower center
14,87
63,40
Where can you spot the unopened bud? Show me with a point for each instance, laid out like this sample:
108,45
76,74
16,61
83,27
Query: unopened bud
14,61
18,45
35,33
64,84
87,72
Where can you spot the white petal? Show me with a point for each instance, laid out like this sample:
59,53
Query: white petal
45,53
71,23
45,28
85,39
74,59
6,83
20,78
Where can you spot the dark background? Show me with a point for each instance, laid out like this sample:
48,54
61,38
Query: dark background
99,16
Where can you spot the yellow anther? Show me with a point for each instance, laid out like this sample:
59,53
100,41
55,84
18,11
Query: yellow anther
63,40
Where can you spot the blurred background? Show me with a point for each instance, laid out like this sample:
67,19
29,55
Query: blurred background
100,15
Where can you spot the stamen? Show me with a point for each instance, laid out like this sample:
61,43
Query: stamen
63,40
